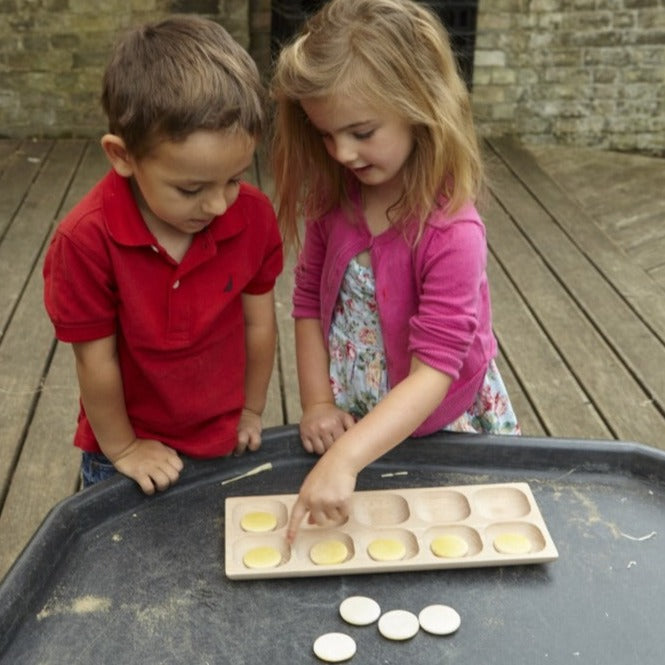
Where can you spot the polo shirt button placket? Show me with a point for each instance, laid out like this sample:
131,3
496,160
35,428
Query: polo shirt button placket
179,323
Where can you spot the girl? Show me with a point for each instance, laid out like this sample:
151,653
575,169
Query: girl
375,146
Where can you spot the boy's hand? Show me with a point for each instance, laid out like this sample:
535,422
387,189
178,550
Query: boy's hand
152,464
249,432
325,494
321,424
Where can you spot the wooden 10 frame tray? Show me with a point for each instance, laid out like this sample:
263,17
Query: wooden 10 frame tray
390,531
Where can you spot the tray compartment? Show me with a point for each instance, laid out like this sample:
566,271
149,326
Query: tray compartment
247,543
468,534
307,539
527,529
404,536
501,503
258,505
384,509
443,505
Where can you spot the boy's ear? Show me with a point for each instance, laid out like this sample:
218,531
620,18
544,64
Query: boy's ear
118,155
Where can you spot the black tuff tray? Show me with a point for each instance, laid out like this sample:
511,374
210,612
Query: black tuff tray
113,576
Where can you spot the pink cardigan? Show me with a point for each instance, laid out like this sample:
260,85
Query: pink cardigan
433,299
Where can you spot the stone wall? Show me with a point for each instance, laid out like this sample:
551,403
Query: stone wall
582,72
52,54
259,29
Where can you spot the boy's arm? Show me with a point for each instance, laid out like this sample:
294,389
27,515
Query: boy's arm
260,342
150,463
322,422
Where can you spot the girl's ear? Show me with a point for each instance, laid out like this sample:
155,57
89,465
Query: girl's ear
118,155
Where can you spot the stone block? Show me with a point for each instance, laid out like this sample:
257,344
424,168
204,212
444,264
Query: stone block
484,58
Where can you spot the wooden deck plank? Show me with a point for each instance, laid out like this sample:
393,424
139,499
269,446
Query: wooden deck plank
288,374
20,166
30,227
27,343
615,190
287,356
524,409
625,332
590,323
620,192
23,358
651,232
649,252
273,413
559,405
657,273
48,468
91,168
8,148
626,305
629,280
43,415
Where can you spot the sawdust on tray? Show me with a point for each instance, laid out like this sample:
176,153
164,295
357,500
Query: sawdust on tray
81,605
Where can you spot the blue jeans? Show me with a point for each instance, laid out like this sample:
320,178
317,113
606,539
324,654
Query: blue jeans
95,467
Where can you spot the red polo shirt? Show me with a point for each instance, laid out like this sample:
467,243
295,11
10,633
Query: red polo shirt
179,326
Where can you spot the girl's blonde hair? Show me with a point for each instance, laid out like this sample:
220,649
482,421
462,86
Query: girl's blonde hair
387,53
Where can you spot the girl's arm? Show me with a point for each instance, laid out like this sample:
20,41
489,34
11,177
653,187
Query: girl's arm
260,340
322,422
150,463
327,488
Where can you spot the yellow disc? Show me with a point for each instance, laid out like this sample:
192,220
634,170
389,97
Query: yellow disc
449,546
328,552
386,549
512,543
258,521
262,557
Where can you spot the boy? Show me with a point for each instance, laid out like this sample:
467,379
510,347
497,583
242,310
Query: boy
162,276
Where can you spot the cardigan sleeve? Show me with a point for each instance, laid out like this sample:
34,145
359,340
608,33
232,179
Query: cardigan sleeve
308,273
452,285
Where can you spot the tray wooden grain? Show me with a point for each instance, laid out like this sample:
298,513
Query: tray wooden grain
415,517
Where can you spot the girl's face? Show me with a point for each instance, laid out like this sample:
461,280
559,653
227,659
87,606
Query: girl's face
373,144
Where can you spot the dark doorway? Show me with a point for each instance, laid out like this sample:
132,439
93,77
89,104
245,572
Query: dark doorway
459,17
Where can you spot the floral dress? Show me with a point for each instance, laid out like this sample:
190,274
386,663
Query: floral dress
358,375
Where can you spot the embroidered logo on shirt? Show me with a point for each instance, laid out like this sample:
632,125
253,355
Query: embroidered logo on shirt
229,285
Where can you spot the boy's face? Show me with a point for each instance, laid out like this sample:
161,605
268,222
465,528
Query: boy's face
183,185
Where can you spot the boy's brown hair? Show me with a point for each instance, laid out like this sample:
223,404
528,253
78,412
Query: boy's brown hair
169,78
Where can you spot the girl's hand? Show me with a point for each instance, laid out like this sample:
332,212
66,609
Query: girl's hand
152,464
321,425
249,432
325,494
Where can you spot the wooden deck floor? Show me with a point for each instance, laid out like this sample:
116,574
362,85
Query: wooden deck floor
577,272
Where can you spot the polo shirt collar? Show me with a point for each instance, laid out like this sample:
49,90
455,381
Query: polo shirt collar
126,226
